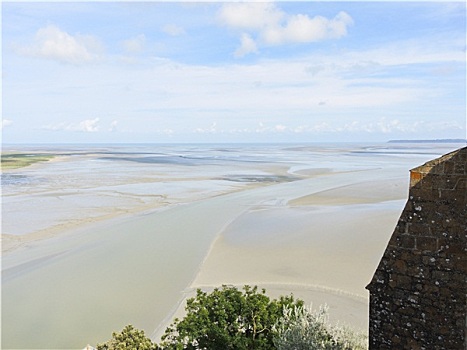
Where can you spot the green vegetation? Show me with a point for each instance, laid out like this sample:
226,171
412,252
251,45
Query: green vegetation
129,338
20,160
302,329
229,318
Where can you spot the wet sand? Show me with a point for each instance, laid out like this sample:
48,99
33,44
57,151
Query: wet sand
323,251
123,241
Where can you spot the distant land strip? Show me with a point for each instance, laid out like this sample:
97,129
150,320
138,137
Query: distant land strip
430,141
20,160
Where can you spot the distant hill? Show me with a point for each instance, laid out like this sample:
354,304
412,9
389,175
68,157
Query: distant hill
430,141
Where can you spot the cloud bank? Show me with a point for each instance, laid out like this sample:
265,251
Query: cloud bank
88,125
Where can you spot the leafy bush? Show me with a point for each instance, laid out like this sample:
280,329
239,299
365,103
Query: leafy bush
301,329
226,319
129,338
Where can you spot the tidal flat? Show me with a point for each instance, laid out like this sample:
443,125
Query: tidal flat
107,235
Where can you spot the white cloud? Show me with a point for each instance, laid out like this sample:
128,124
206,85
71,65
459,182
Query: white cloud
6,123
280,128
55,127
303,29
211,130
134,45
250,15
53,43
173,29
380,126
88,125
247,46
113,126
275,27
444,125
388,126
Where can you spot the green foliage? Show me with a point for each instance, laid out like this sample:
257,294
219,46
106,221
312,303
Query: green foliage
226,319
19,160
233,319
129,338
301,329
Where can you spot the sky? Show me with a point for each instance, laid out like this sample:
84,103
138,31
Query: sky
176,72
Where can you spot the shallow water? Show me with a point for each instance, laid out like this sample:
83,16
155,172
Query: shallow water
168,204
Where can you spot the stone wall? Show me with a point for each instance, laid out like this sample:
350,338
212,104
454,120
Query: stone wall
418,292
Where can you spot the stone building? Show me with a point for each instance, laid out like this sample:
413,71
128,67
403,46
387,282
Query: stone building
418,292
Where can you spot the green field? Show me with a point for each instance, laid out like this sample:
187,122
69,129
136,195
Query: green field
20,160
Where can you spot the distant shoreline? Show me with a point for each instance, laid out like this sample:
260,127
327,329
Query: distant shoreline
430,141
15,161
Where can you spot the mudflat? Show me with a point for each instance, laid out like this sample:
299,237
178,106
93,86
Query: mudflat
106,236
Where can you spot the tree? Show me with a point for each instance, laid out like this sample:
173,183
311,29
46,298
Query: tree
129,338
227,318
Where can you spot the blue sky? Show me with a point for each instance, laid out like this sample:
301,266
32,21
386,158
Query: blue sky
92,72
